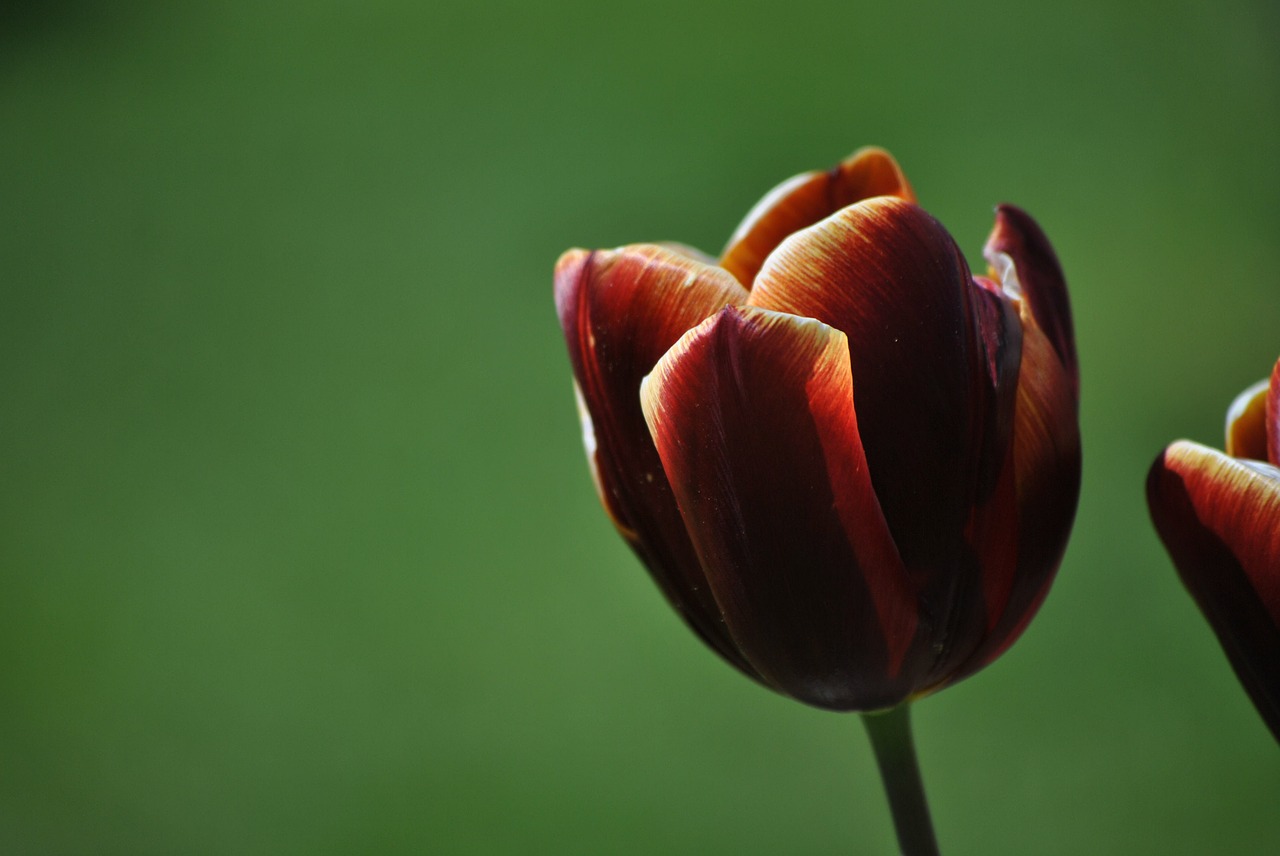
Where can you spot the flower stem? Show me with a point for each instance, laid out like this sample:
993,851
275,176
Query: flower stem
890,733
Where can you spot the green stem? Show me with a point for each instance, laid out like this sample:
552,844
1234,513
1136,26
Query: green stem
890,733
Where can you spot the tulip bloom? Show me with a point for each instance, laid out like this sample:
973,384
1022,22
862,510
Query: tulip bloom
850,464
1219,517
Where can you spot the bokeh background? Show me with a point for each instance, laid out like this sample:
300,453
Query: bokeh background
298,549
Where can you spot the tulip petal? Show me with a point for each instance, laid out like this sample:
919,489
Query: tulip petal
889,276
1220,520
984,577
1247,423
620,311
1026,525
752,414
1273,417
1024,261
805,199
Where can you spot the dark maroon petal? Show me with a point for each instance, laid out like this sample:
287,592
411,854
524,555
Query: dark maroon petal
805,199
1219,518
1247,423
752,414
890,277
1021,533
1023,258
620,311
974,596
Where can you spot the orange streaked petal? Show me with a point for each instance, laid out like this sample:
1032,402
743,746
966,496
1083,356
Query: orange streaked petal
890,277
1239,503
805,199
620,310
1219,518
752,414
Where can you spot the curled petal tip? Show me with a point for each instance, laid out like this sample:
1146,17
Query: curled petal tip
1018,244
571,256
571,263
875,172
573,269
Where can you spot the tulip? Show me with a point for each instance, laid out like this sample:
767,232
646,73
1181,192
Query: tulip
1219,517
850,464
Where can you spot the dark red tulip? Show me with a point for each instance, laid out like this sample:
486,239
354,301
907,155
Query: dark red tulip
851,465
1219,517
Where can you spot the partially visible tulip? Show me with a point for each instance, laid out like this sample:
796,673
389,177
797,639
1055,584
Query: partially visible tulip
850,465
1219,517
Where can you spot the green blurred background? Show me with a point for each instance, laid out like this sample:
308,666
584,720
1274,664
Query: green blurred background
299,550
